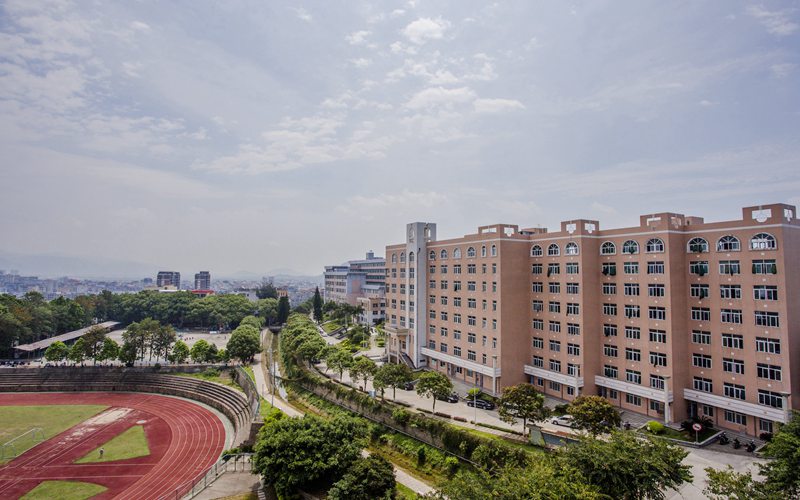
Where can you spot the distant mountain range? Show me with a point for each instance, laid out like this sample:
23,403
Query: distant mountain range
56,266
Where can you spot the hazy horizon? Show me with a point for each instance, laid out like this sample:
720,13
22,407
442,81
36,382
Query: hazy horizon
248,135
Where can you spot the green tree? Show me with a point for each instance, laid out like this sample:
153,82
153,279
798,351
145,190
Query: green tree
363,368
161,340
245,343
200,351
781,472
392,375
727,484
339,360
180,352
522,402
283,309
128,353
257,323
307,452
434,385
223,356
370,478
267,291
312,348
93,341
594,413
77,353
627,466
109,351
56,352
317,301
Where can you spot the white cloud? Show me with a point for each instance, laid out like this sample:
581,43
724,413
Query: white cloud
497,105
776,22
782,70
303,14
440,96
425,29
360,62
140,26
357,37
533,44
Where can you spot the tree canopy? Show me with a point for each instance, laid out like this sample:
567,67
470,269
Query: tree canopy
245,343
391,375
370,478
594,413
522,402
434,385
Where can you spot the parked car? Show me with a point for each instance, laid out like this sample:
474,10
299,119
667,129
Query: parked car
409,386
450,398
480,403
565,420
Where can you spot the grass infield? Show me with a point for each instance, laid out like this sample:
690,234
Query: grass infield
130,444
53,419
64,490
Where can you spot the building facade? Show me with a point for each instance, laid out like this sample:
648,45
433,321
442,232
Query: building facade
358,282
202,280
168,279
671,318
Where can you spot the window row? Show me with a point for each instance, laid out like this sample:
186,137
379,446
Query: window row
471,253
761,241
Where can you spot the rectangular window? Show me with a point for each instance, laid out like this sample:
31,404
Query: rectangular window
769,398
431,284
633,377
553,268
538,362
765,292
456,351
555,365
610,351
555,346
730,291
573,309
701,360
443,347
734,391
632,354
456,286
729,267
633,399
444,269
609,269
701,314
457,301
573,288
733,366
731,316
731,341
610,371
633,332
537,306
471,286
698,291
658,359
457,269
631,268
772,346
769,372
657,382
573,329
536,269
471,338
656,267
538,343
735,417
471,356
555,386
659,336
702,384
471,269
572,268
472,320
536,287
610,330
656,290
537,324
555,326
769,319
472,303
657,313
632,289
609,288
632,311
555,287
443,284
573,349
701,337
443,332
573,370
765,267
699,268
444,316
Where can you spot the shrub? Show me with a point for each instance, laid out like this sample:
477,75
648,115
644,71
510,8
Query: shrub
765,436
421,456
451,463
443,415
211,373
401,416
655,427
561,409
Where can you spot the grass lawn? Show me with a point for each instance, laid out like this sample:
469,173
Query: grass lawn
130,444
222,377
249,370
403,492
511,442
64,490
331,326
53,419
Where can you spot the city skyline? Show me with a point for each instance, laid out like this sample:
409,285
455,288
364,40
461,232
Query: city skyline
300,135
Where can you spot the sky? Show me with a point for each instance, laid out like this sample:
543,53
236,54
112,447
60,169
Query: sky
257,135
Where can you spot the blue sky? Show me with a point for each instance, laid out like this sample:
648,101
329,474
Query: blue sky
259,135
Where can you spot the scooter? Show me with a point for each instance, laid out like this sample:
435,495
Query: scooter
751,446
723,439
736,444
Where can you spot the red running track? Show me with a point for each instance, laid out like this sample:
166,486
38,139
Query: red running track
185,439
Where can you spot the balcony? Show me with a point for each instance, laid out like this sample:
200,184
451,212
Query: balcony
639,390
454,360
723,403
554,376
397,331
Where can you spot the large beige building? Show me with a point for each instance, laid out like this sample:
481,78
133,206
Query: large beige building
671,318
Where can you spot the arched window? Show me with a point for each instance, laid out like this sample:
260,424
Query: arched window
654,245
571,248
394,258
608,248
443,254
457,253
728,244
411,257
432,255
494,250
630,246
402,257
763,241
483,250
553,250
471,252
536,251
697,245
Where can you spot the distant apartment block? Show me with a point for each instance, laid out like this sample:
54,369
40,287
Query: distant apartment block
672,318
168,279
202,280
359,282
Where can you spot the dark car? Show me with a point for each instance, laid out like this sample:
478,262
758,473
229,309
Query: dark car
450,398
409,386
480,403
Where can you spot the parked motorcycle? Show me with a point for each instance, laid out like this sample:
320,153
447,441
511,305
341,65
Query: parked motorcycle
736,444
751,446
723,439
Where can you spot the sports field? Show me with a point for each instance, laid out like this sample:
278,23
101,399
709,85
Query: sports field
151,445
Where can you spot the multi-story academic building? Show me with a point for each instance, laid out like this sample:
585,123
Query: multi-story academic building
168,279
359,282
671,318
202,280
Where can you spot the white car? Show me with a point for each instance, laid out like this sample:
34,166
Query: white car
565,420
